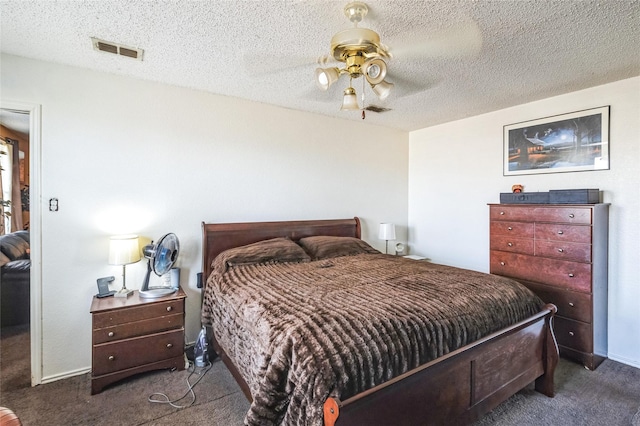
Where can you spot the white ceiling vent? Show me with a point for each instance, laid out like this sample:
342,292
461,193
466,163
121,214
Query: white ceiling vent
116,49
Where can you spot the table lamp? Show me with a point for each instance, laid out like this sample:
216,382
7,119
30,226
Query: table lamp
124,250
387,232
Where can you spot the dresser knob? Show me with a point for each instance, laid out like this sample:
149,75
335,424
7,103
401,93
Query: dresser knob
572,215
502,263
169,308
560,251
571,275
560,232
509,229
169,345
110,334
502,213
510,244
111,357
571,334
571,304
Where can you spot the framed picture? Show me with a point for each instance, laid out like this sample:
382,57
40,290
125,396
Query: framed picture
573,142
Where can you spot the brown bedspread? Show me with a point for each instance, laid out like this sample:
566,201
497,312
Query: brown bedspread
300,332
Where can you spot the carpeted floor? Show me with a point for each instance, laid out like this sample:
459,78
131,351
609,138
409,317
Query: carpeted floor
609,395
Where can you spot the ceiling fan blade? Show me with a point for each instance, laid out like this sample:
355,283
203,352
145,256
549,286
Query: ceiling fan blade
462,39
259,65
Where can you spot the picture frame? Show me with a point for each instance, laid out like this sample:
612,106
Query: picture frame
572,142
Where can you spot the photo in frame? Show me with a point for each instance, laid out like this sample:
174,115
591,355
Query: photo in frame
572,142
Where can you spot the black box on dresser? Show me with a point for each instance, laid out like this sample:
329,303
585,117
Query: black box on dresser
574,196
524,197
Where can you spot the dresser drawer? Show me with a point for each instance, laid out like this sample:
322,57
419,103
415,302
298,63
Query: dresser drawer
529,213
563,232
570,304
514,229
573,334
561,273
136,313
515,245
562,250
123,354
138,328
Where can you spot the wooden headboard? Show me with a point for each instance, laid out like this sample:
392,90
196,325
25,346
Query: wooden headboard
218,237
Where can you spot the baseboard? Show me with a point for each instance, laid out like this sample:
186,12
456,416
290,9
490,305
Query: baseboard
631,362
66,375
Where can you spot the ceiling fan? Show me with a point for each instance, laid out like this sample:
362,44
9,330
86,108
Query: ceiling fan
363,55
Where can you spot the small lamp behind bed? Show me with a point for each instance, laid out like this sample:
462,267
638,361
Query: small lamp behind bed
387,232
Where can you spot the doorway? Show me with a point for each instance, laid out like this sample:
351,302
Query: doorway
29,338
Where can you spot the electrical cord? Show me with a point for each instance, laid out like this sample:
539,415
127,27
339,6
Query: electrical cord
161,398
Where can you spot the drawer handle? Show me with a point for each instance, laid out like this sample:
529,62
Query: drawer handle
110,334
111,357
560,232
572,215
510,244
571,275
502,213
502,263
571,333
169,308
169,345
560,251
509,229
571,304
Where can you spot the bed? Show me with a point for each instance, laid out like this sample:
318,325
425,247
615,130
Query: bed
306,349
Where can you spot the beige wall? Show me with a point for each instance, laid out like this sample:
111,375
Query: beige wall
130,156
455,169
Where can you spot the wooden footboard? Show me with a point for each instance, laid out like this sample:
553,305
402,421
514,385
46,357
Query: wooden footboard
461,386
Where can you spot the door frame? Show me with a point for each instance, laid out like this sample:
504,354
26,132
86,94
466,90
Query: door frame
35,230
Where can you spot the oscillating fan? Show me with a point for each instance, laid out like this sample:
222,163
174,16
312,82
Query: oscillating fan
161,257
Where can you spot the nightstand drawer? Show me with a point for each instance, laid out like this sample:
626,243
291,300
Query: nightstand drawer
563,232
137,313
564,274
138,328
566,251
110,357
573,334
515,245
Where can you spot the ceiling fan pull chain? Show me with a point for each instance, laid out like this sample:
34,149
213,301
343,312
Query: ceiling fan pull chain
363,106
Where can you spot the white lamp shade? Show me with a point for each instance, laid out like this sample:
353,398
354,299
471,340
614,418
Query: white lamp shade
350,100
382,90
387,231
124,249
325,77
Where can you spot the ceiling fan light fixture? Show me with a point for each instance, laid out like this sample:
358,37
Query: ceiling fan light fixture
375,71
350,100
325,77
382,89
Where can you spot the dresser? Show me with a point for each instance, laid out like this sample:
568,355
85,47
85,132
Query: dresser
560,253
133,335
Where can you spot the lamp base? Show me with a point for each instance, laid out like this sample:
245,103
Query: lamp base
123,293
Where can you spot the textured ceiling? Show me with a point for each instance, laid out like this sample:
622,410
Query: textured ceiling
452,59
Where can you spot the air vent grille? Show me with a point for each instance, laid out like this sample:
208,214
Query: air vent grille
375,108
116,49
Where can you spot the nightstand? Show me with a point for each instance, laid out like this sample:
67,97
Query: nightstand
133,335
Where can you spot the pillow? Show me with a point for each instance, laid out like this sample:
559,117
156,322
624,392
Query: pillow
3,259
276,250
325,247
